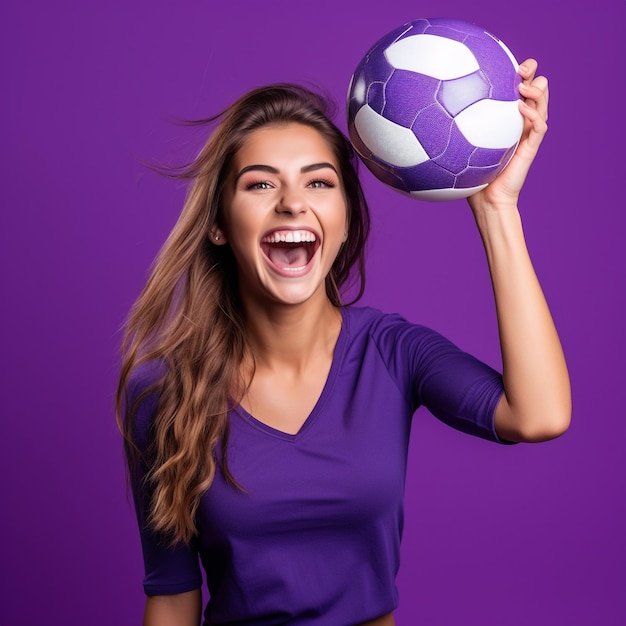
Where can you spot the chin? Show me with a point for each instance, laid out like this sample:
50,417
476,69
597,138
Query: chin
299,294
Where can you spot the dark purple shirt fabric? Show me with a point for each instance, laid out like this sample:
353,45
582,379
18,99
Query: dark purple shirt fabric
315,536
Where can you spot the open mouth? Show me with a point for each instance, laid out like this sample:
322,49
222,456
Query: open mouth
290,251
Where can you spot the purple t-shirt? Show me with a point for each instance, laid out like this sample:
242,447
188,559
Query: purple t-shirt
315,536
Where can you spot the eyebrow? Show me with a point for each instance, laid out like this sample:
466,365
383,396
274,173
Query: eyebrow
272,170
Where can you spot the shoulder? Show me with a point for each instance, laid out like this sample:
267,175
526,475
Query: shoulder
142,397
144,377
369,319
387,330
409,351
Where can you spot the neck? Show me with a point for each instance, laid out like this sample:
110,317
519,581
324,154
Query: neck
293,335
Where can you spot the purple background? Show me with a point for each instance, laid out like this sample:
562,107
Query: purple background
494,535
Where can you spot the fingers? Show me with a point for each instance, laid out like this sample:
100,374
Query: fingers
534,105
527,70
534,89
536,94
537,127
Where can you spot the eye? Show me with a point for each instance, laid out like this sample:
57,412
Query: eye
321,183
262,184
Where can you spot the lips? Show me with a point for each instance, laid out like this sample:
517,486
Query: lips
290,251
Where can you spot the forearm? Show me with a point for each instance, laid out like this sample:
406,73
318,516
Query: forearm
183,609
537,402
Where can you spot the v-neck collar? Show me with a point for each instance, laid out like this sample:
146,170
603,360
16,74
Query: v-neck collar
335,367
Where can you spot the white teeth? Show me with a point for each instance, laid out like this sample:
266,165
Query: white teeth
292,236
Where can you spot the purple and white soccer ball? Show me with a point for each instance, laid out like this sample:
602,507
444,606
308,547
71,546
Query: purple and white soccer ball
433,108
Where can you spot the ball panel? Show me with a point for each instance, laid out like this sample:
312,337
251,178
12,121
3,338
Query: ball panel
373,70
434,56
386,174
508,155
457,156
497,64
362,150
391,143
453,28
406,30
406,95
377,70
459,93
484,157
476,176
442,195
509,54
433,127
445,32
358,89
491,124
427,175
376,96
416,27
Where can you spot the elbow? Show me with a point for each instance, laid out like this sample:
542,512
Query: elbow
534,424
545,427
547,430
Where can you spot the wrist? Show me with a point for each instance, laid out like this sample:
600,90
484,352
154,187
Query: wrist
489,214
500,228
484,203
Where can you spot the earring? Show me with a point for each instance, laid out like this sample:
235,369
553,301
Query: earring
217,237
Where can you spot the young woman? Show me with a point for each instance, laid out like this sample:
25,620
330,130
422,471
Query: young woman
266,422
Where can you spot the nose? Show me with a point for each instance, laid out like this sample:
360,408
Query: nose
291,202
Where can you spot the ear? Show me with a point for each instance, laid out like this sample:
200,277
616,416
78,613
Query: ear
218,237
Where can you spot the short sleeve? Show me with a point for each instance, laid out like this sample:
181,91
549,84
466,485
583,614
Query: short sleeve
168,570
454,386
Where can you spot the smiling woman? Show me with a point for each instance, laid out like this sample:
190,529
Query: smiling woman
266,421
286,215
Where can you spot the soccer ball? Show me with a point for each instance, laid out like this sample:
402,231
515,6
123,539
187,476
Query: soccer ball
433,108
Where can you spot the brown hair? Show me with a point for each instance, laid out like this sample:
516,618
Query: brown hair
188,316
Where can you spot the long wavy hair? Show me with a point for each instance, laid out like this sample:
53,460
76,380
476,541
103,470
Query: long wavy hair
188,316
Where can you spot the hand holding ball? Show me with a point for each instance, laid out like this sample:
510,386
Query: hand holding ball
433,108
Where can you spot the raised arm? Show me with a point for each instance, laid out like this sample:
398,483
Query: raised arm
536,405
181,609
